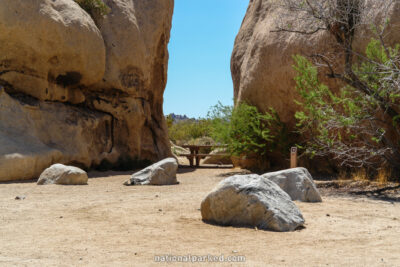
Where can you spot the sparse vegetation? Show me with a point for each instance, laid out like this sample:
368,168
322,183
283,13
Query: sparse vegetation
93,7
247,131
185,131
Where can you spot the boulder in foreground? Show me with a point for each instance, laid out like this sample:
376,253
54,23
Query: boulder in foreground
297,183
63,175
251,200
160,173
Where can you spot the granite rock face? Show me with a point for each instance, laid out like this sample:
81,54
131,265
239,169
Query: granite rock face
90,89
261,62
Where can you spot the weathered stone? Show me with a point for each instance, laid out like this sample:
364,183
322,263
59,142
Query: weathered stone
177,150
250,200
262,59
297,183
63,175
160,173
110,73
49,48
35,134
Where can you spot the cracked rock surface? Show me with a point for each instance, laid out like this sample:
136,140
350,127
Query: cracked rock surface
80,90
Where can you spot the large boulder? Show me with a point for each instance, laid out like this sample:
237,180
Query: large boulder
160,173
262,61
90,90
250,200
297,183
63,175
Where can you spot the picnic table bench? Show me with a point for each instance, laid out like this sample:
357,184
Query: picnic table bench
195,155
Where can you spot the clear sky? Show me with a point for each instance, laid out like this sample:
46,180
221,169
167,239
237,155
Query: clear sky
202,38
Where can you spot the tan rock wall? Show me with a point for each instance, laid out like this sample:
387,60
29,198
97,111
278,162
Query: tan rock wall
262,60
94,86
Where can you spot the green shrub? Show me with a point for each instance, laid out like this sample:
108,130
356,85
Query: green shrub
182,132
247,131
93,7
358,128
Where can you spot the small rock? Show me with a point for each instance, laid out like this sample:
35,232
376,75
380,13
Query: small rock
160,173
61,217
159,209
234,251
63,175
19,197
328,215
156,195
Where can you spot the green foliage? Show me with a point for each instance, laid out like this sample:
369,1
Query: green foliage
182,132
93,7
351,124
245,130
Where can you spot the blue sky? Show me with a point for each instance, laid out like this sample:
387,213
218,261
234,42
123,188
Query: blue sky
202,38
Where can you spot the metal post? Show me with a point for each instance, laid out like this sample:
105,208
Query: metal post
293,157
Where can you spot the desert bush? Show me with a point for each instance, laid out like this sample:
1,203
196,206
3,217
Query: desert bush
357,127
248,132
93,6
182,132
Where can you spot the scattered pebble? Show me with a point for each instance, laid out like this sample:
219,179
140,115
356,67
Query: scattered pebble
61,217
135,253
328,215
234,251
159,209
156,195
20,197
80,259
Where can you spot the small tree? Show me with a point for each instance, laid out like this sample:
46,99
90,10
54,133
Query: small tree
353,126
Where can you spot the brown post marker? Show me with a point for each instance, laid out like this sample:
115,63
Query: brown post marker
293,157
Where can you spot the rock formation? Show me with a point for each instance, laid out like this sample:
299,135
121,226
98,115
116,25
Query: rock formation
81,90
262,59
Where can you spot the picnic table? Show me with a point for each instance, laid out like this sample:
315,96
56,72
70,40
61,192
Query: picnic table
194,153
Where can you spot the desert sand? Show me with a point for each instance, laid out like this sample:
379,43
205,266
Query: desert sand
107,224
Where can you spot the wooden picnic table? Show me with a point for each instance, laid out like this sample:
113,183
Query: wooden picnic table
194,153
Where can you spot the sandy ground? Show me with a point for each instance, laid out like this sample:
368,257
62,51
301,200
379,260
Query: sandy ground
108,224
